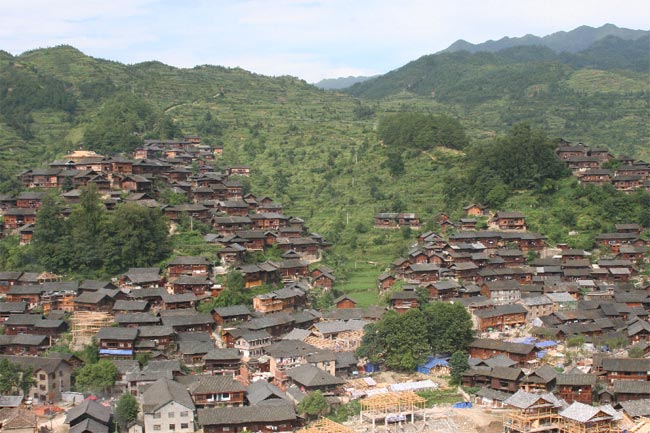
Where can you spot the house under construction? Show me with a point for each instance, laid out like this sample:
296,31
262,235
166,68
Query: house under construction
544,413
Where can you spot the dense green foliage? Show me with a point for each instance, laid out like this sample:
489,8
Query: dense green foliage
421,131
404,340
93,242
15,378
523,159
126,410
458,364
313,405
97,377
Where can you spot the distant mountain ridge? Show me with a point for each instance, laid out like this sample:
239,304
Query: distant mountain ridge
573,41
340,83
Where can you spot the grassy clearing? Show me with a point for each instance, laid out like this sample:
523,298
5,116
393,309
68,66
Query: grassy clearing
441,396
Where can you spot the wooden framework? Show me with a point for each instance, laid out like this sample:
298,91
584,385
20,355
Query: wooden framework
544,419
86,324
325,425
599,426
385,406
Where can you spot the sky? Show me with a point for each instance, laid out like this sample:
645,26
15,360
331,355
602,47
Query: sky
305,38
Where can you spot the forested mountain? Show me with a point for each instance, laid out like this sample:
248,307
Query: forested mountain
573,41
600,94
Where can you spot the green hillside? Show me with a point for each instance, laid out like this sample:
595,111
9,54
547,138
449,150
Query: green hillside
491,91
318,152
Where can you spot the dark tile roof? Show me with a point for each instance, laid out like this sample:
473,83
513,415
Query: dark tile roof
246,414
117,333
215,384
626,364
91,408
310,376
262,392
163,391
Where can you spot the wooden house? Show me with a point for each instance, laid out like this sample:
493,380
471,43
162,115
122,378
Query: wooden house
116,342
501,317
222,362
476,210
198,285
345,301
486,348
404,301
596,176
576,387
196,266
629,390
285,299
637,369
509,221
17,217
232,314
263,419
217,391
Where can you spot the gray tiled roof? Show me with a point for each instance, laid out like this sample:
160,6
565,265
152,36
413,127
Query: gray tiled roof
92,408
310,376
262,392
163,391
215,384
246,414
117,333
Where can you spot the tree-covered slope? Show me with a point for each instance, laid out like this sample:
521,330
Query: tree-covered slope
588,96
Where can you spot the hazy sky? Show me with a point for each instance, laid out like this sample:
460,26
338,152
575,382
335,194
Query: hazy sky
308,39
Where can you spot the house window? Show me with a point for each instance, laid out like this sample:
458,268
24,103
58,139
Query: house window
156,427
42,377
184,414
170,415
157,415
184,426
172,427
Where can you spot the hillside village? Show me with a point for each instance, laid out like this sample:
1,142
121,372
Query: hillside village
562,337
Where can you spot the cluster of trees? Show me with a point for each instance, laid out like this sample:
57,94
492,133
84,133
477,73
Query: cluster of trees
123,121
523,159
15,378
93,242
402,341
96,377
421,131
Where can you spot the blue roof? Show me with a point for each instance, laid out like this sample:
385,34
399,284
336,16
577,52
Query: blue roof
121,352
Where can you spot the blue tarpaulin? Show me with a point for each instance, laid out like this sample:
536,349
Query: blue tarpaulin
432,362
546,344
118,352
371,368
463,405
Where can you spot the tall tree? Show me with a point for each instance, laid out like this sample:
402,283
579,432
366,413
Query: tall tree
136,236
51,236
87,229
126,410
98,377
449,327
314,404
14,378
458,364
